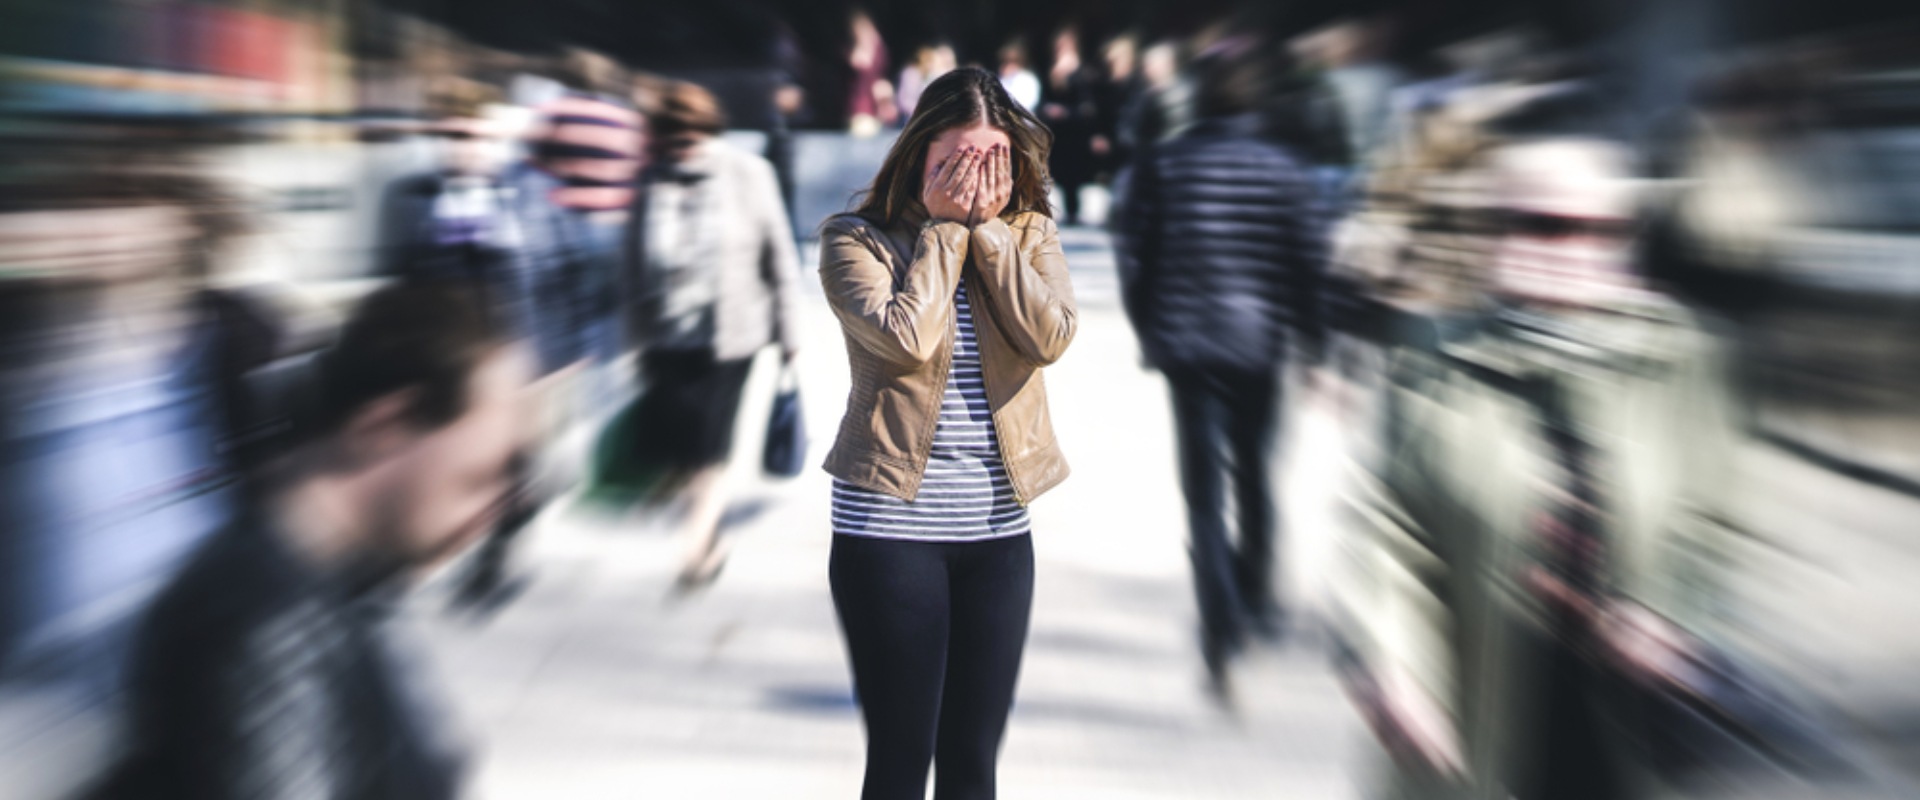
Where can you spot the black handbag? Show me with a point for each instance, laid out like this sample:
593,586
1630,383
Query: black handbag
785,453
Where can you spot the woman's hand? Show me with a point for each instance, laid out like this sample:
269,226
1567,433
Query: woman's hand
996,185
949,194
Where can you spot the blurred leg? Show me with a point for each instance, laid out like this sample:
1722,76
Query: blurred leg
892,599
706,495
992,591
1253,411
715,396
1070,199
1198,428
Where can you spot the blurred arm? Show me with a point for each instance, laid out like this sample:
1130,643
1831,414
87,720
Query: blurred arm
905,322
1029,289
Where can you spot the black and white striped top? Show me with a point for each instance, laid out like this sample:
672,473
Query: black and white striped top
966,494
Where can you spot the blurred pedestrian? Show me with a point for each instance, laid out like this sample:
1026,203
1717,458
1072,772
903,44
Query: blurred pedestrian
568,199
265,669
869,94
1118,83
713,279
1020,83
1545,544
1070,106
787,102
1222,255
952,291
1162,107
930,63
455,221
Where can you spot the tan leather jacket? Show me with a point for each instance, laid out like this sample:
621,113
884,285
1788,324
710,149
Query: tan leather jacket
893,291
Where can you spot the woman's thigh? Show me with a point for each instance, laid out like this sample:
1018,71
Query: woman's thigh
892,599
992,590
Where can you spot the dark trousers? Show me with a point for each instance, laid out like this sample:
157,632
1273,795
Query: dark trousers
1226,421
934,632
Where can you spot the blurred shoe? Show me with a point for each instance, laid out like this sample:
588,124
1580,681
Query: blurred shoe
486,601
1218,654
701,574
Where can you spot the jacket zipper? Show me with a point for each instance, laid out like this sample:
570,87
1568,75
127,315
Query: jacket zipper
939,399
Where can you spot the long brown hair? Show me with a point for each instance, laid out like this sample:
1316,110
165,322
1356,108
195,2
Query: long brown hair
959,99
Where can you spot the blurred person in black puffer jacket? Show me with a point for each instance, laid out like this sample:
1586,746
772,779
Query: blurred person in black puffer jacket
1222,252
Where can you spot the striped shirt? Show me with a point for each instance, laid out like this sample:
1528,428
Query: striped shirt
966,494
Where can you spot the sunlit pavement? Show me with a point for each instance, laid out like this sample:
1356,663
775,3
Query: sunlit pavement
594,683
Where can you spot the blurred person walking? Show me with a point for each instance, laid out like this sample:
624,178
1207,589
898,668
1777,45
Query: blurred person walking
930,63
455,221
569,201
1070,106
712,279
1222,254
1157,107
1547,539
1118,84
1020,83
869,94
266,669
952,291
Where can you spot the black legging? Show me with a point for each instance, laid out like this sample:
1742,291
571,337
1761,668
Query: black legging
934,631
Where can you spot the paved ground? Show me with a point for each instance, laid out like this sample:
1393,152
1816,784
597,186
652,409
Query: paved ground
593,685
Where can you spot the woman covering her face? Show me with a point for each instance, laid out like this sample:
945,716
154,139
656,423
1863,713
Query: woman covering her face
952,291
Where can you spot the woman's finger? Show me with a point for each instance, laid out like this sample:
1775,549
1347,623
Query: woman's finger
944,173
971,180
962,162
940,171
1003,173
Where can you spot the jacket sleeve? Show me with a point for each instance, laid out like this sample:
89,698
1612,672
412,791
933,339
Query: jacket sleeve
779,263
1028,288
902,322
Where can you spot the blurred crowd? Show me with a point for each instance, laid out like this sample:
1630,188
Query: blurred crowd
1558,283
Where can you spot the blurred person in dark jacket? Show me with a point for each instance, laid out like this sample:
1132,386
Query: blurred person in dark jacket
1221,249
712,279
1070,106
1118,85
264,670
